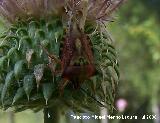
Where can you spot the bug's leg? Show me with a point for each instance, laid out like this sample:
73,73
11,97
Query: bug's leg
50,55
52,67
52,59
62,86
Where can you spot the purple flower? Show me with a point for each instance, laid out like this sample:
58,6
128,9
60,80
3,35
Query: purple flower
87,9
121,104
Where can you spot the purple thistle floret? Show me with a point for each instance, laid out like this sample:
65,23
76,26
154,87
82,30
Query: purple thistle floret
94,10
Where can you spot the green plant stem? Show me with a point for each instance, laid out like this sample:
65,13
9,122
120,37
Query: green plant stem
54,115
10,117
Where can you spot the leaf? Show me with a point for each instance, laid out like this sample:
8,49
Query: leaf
13,29
50,27
26,40
58,34
28,84
104,85
11,52
5,46
33,25
110,94
3,35
117,71
115,68
29,54
7,103
18,67
107,48
109,57
47,91
9,78
45,43
1,88
38,73
2,59
9,39
40,34
4,90
21,32
8,81
94,81
19,94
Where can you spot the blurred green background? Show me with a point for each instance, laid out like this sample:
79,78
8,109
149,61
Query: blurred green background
136,32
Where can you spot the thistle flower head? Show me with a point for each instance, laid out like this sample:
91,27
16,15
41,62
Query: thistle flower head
95,10
38,29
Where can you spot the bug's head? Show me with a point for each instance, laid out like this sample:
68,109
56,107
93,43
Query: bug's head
78,45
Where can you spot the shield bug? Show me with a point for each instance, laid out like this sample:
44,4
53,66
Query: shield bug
76,59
